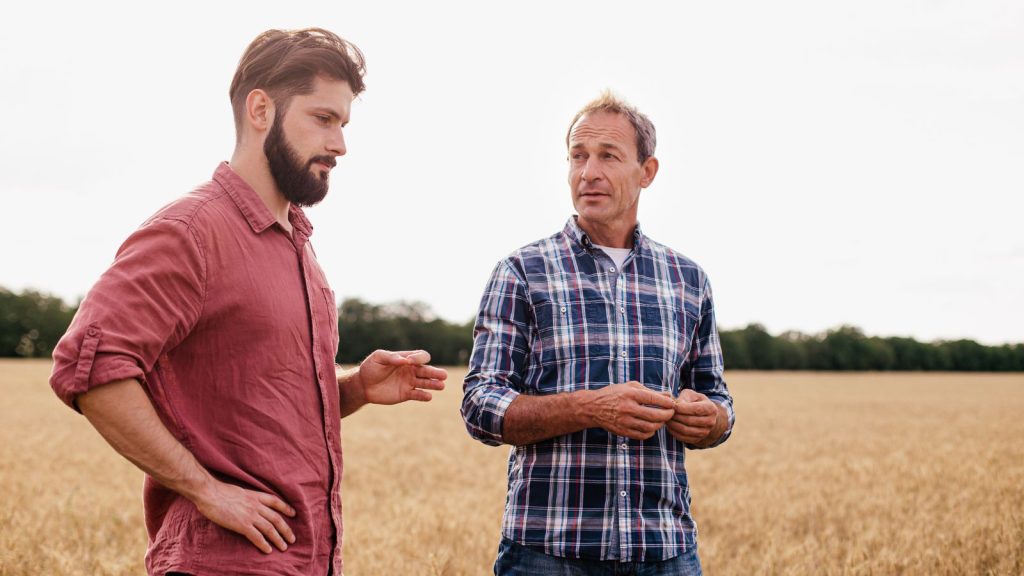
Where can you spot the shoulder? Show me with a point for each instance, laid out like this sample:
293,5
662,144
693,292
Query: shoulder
204,207
540,255
188,223
682,265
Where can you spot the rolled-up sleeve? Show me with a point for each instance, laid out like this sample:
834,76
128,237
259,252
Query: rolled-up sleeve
144,304
500,348
706,366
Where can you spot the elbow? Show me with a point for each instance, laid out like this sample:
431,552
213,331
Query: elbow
479,423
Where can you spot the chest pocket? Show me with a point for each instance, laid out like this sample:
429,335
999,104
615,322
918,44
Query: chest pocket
661,344
572,343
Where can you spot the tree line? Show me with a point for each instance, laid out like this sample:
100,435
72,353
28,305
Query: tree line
32,322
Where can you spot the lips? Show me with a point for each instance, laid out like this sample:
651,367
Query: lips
325,161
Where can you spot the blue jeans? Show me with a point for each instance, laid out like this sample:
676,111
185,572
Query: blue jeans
518,560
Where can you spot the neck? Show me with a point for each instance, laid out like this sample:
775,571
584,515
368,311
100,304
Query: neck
617,234
254,169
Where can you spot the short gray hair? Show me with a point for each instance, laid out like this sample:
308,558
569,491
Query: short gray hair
646,138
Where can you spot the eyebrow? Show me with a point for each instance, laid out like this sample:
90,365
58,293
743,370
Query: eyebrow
604,145
328,111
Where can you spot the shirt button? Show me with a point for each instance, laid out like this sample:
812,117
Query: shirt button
622,353
563,309
611,268
622,309
92,332
623,445
623,493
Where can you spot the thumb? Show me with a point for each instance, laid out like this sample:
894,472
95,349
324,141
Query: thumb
689,395
387,357
416,356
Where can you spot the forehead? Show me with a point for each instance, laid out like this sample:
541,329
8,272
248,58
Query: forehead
335,95
603,128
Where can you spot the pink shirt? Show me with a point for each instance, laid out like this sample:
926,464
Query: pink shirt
230,325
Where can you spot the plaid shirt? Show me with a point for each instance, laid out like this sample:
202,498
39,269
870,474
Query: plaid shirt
557,316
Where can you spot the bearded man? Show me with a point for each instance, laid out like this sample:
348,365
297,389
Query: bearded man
205,353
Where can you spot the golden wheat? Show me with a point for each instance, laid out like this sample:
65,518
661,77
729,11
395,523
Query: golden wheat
825,474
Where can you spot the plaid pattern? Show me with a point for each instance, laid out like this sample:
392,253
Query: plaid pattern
557,317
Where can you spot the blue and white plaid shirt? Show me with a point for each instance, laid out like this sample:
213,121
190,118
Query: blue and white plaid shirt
557,316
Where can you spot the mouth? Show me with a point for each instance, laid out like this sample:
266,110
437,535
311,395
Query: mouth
326,162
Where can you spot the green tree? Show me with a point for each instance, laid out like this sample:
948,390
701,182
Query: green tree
31,323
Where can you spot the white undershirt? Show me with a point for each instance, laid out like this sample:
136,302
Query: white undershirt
618,255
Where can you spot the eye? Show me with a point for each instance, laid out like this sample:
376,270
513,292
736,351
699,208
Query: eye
576,156
323,118
609,156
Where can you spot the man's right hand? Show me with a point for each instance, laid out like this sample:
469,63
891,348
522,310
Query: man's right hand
631,409
123,414
255,515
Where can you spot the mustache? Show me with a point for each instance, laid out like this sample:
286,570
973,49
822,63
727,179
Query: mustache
328,160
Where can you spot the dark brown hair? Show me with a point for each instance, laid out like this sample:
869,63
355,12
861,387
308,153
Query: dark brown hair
285,63
646,138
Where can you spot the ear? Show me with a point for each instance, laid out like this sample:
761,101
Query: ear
259,111
650,170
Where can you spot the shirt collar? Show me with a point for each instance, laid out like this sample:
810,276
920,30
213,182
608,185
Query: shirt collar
251,205
572,230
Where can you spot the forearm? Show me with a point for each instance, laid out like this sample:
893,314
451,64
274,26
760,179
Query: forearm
123,414
351,391
532,419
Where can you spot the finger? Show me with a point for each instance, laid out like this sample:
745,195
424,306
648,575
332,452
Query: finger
271,501
695,421
429,384
641,429
651,414
691,395
282,527
388,358
643,395
415,356
419,395
703,408
257,539
689,433
270,533
432,372
660,400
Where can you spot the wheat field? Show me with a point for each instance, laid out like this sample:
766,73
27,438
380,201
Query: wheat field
825,474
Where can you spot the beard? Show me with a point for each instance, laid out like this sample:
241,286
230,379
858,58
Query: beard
296,181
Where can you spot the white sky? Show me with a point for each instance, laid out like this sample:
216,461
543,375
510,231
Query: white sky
825,162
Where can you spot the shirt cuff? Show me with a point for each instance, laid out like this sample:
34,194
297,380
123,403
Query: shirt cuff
485,414
90,368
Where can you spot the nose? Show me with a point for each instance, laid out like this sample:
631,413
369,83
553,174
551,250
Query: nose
590,171
336,145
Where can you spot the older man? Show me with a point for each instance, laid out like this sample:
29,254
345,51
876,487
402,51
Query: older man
597,357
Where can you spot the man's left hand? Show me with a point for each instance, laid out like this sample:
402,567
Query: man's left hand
697,420
387,377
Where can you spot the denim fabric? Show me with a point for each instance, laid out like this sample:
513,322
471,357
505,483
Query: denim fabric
518,560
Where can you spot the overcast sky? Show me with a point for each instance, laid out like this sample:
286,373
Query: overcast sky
826,163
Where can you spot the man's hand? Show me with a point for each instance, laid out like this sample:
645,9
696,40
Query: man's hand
629,409
255,515
123,414
387,377
697,420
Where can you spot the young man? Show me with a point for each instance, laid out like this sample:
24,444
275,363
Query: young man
597,357
205,354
